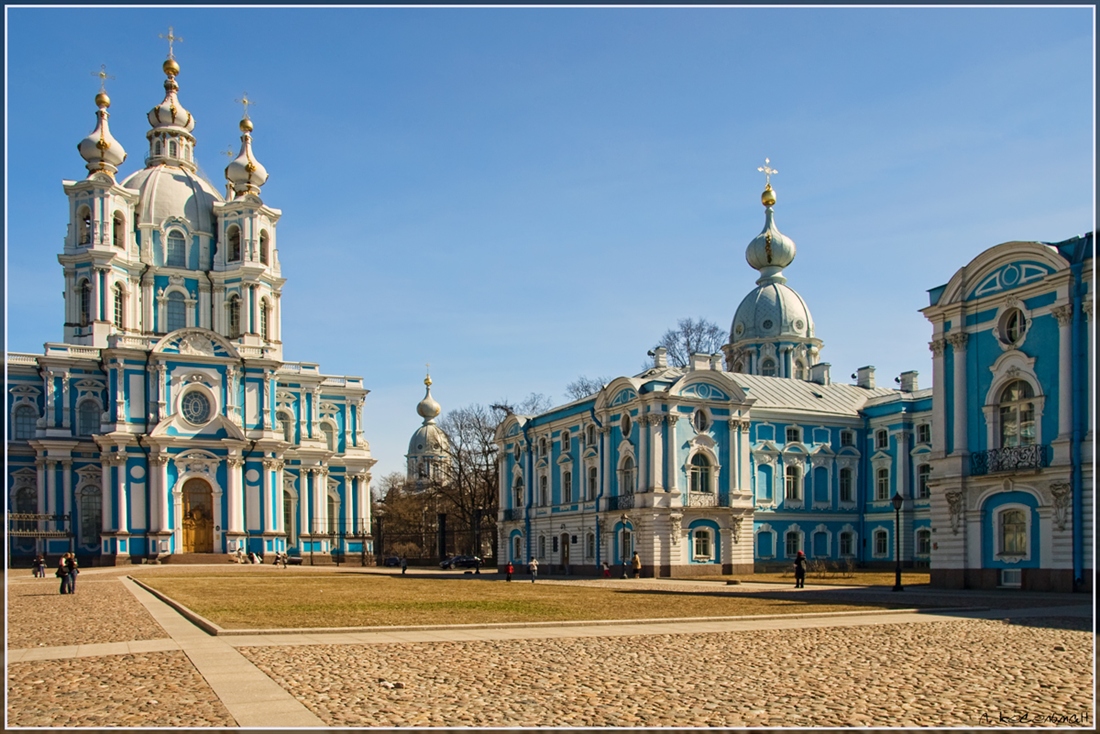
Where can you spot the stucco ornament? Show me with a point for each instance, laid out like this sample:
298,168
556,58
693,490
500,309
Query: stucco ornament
1060,491
196,344
954,506
675,528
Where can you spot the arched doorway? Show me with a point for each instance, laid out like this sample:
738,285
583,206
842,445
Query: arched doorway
565,552
198,517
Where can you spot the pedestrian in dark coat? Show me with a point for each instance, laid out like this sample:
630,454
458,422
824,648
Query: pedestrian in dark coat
62,573
404,565
73,571
39,566
800,570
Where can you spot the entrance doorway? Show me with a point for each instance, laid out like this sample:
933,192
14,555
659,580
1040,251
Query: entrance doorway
565,552
198,517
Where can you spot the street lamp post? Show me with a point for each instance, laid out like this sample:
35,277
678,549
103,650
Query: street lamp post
897,542
623,518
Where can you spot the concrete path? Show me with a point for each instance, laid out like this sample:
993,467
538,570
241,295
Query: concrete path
252,698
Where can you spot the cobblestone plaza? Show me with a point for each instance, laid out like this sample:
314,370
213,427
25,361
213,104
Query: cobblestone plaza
1007,659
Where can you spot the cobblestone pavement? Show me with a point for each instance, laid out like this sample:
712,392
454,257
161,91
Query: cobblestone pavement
152,689
932,674
101,610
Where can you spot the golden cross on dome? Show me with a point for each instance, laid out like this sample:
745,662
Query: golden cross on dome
170,38
229,152
103,76
768,172
428,378
244,100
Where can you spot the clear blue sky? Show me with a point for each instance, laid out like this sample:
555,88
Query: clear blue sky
522,196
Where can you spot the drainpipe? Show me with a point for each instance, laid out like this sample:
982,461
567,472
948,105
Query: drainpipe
599,494
1078,416
528,490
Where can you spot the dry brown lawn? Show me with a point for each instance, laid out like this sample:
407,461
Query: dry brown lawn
319,599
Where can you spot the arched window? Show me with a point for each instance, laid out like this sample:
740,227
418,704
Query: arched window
333,515
517,548
177,250
923,472
544,491
24,421
1013,532
799,371
263,247
330,436
91,515
87,418
234,316
882,484
701,546
882,546
233,251
1017,412
567,486
846,543
118,231
793,486
626,545
85,303
172,148
542,546
794,543
590,545
517,492
700,473
286,424
626,474
924,542
264,311
119,322
175,312
84,223
288,516
542,447
846,493
767,368
157,148
565,441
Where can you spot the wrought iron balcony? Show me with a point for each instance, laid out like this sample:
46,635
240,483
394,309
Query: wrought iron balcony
514,514
622,502
708,499
1010,458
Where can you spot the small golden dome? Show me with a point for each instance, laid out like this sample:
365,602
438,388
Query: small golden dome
171,68
246,125
102,100
428,381
768,197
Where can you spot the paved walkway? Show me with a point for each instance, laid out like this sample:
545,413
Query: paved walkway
252,674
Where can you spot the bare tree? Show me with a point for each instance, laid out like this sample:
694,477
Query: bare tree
533,404
691,336
584,386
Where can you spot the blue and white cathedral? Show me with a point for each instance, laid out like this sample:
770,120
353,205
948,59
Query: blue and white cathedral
166,422
742,459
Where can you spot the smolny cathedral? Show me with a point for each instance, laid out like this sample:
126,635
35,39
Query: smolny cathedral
167,423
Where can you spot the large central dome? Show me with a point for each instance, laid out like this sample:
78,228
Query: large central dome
770,311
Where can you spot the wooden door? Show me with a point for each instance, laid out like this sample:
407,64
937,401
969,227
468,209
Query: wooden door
198,517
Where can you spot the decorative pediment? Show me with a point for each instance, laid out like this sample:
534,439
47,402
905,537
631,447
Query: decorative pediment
194,342
198,462
89,385
1011,276
25,391
565,460
89,474
24,478
328,409
623,396
704,391
199,377
702,440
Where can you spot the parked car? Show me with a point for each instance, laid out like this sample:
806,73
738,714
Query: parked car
460,562
391,561
294,557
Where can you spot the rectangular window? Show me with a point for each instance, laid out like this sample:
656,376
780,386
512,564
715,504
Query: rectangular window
882,439
924,543
924,433
590,545
794,484
847,438
794,435
923,472
882,485
845,544
880,543
792,544
592,479
846,485
567,487
764,545
702,544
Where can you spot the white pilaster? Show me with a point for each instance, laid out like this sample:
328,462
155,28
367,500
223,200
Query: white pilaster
66,489
120,494
233,499
1064,315
939,399
673,473
958,340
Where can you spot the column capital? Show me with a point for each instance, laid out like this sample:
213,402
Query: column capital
957,340
1086,306
235,462
1063,313
159,460
937,347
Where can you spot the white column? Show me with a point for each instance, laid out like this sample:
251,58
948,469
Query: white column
42,469
51,487
644,480
269,496
105,493
1086,306
120,492
253,327
280,497
65,411
605,470
276,324
95,314
673,470
364,501
269,398
1064,315
732,472
235,504
160,468
66,488
204,306
48,387
656,473
303,501
939,399
958,340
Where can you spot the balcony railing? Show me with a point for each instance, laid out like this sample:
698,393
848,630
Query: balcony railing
622,502
708,499
1011,458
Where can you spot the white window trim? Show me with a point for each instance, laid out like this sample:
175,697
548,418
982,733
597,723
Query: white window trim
792,528
715,467
821,528
766,529
916,542
855,542
1009,367
708,557
874,536
998,540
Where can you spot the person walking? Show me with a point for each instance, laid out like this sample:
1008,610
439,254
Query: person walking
73,571
606,570
404,565
39,566
62,573
533,567
800,570
636,564
508,571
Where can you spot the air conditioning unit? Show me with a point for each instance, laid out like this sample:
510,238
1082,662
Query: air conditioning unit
1012,577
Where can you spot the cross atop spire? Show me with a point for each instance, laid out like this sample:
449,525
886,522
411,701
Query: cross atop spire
768,171
170,38
244,100
428,378
103,76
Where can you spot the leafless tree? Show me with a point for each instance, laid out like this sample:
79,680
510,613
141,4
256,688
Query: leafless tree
691,336
584,386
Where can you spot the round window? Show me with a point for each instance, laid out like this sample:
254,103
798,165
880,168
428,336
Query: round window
798,325
739,329
195,407
767,324
701,422
625,425
1012,326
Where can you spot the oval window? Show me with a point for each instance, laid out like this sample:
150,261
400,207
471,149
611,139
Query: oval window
195,407
767,324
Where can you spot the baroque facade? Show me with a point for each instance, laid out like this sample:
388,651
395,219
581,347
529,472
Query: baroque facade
738,461
167,422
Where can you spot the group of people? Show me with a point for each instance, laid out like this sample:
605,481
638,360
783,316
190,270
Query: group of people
67,571
533,568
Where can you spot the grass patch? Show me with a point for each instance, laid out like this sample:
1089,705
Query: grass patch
310,600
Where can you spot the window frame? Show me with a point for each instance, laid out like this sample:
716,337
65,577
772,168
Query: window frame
880,534
24,420
700,473
882,484
846,473
1015,409
792,483
175,257
701,536
792,550
924,472
882,439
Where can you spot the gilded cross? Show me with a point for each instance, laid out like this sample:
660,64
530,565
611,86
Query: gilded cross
428,378
229,152
103,76
768,172
244,100
170,38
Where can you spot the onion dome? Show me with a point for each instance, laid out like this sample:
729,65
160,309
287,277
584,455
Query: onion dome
245,174
170,139
771,250
101,151
428,408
